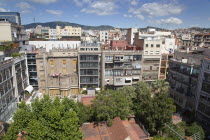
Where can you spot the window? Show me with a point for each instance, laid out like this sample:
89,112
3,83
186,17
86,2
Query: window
64,70
52,71
64,62
51,62
208,67
158,45
151,52
74,62
147,45
146,52
157,52
152,45
118,79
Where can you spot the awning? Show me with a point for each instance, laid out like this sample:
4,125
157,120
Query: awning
136,78
29,89
128,79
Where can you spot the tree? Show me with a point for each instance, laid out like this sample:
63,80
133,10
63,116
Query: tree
46,119
104,106
193,129
109,104
153,111
160,86
84,113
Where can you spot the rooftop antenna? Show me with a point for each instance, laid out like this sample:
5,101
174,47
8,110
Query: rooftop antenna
34,20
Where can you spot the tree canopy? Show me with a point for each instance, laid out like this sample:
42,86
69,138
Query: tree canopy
46,119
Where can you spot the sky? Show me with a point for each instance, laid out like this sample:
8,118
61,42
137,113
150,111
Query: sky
168,14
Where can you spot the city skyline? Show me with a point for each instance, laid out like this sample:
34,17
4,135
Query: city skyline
168,14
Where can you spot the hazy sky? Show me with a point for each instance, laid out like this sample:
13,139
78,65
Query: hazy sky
118,13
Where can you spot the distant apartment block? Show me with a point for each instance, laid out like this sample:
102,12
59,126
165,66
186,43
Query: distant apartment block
118,44
104,36
67,31
115,34
131,35
89,65
49,45
202,40
57,72
121,68
13,82
13,17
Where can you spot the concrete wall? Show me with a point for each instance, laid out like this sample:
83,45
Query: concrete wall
5,32
55,44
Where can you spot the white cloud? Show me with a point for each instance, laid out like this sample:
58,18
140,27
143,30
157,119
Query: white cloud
3,10
25,11
171,21
81,2
127,16
157,9
44,1
101,8
140,17
23,5
55,12
134,2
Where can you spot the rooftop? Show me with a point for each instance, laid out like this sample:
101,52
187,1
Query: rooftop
120,130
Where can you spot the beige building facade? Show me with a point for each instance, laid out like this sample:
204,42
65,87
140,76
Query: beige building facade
57,72
68,31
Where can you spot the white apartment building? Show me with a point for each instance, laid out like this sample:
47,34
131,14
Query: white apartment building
104,36
52,34
49,45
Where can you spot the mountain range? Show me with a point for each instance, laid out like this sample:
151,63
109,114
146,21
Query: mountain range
62,24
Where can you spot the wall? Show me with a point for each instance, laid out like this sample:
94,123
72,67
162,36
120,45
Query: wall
55,44
5,32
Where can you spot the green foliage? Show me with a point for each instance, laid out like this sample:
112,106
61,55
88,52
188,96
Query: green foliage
160,86
194,128
16,55
46,119
84,113
153,111
109,104
161,138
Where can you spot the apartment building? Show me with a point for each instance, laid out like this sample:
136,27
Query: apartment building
49,45
104,36
118,44
131,35
202,40
115,34
13,82
52,34
203,97
89,66
121,68
186,40
67,31
57,72
12,32
13,17
158,48
184,71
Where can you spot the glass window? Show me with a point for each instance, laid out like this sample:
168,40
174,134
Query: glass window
64,62
51,62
